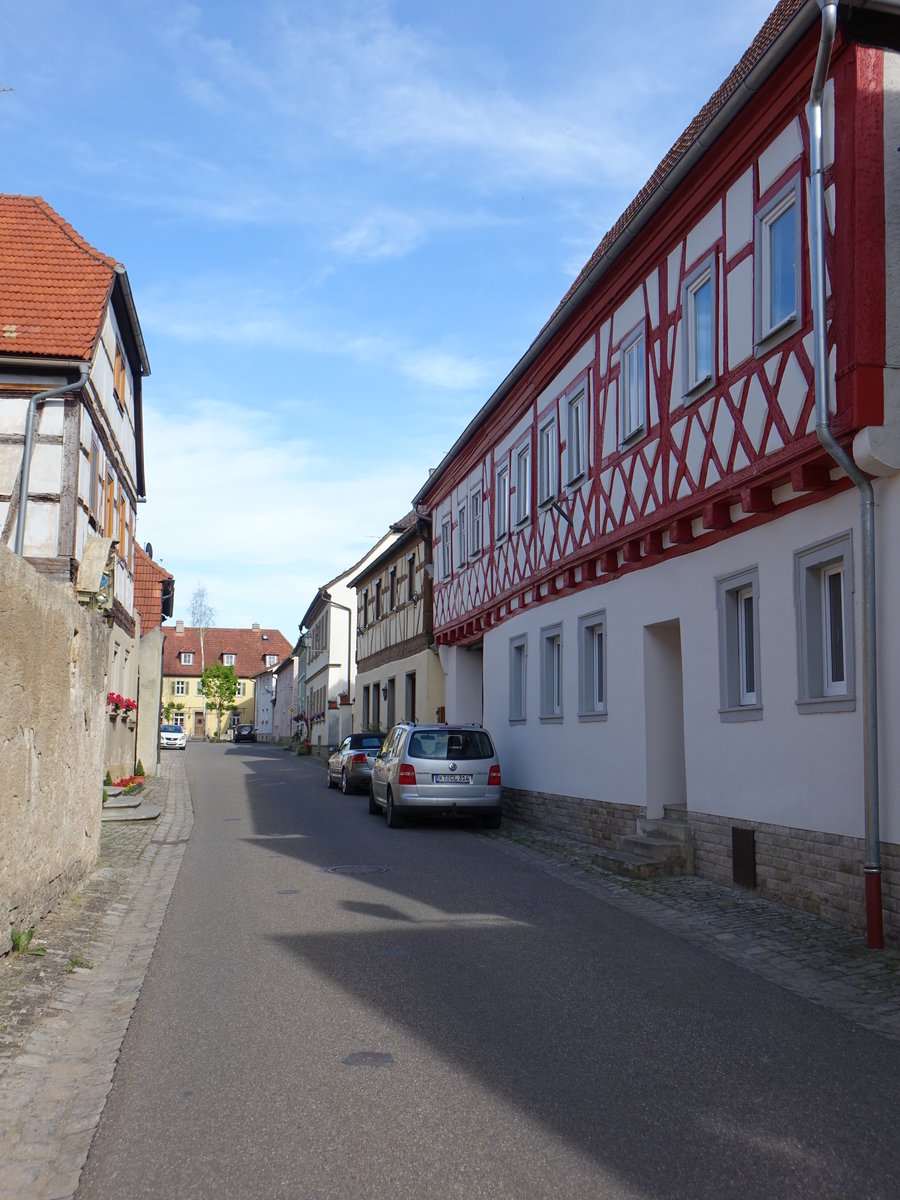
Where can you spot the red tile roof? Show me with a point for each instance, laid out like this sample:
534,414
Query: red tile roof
54,286
148,580
250,646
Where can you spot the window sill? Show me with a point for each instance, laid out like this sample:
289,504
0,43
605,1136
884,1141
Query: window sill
744,712
699,390
551,719
633,438
518,720
770,340
588,717
576,481
827,704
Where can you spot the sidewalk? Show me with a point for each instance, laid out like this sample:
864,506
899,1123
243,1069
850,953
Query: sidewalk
61,1032
62,1024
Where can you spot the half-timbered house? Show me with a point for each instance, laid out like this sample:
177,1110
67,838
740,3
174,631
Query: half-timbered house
399,677
646,557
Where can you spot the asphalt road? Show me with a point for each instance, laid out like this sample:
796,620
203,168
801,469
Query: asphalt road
337,1009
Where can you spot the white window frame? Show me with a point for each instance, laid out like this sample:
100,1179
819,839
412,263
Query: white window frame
501,504
819,688
187,658
633,386
576,436
551,673
475,511
770,329
241,688
462,549
271,660
523,484
699,377
228,660
518,679
180,688
740,690
592,666
547,459
446,549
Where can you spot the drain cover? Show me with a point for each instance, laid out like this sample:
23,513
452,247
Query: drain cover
361,870
289,892
369,1058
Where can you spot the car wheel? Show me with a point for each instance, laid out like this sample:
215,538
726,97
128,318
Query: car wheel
345,783
492,822
374,810
393,817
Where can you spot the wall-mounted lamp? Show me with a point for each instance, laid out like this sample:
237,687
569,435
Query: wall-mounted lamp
384,692
415,597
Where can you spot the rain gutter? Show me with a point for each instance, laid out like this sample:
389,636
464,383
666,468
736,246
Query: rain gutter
872,868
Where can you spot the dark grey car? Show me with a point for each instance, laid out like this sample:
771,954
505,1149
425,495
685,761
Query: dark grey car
351,764
437,770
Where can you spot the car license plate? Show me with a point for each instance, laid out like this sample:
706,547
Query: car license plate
452,778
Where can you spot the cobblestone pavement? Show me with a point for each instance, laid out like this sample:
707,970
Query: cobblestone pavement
63,1016
62,1024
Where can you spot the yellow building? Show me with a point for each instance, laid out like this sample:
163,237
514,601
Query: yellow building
248,651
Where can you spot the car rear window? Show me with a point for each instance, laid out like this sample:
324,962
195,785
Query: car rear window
450,743
371,743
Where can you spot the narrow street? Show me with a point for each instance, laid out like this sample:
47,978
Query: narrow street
337,1009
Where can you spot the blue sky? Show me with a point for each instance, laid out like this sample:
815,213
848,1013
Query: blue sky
343,224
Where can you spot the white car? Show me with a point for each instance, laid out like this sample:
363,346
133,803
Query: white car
172,737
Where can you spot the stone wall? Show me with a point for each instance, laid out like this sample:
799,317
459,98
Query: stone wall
53,664
149,699
593,821
820,873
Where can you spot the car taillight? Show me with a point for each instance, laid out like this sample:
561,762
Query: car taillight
359,758
407,775
494,776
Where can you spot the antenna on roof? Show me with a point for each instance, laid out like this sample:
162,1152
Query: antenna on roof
148,550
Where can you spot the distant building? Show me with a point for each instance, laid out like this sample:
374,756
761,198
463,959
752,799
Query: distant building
247,651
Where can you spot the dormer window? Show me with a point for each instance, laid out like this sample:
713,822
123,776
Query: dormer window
187,658
228,660
271,660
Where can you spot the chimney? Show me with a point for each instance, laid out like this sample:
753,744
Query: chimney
255,625
179,626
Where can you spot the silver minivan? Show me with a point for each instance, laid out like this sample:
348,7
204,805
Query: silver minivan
437,771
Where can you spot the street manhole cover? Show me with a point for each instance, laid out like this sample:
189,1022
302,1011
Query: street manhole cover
288,891
369,1058
361,870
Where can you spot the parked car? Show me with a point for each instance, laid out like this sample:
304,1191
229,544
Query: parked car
351,764
172,737
437,770
244,733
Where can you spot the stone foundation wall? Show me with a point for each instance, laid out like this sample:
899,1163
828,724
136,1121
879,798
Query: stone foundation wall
818,873
593,821
53,662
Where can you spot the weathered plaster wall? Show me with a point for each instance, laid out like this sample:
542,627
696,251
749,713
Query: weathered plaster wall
53,662
150,672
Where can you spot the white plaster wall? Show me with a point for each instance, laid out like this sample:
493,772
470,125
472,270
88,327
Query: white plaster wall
463,670
803,770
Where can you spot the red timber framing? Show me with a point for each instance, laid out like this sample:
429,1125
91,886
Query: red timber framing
737,453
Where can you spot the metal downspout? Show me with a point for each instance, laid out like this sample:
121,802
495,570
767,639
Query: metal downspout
874,928
39,398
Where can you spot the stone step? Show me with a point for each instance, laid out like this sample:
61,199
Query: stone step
658,849
663,827
144,812
123,801
623,863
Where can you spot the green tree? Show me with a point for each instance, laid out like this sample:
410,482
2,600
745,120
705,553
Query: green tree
219,686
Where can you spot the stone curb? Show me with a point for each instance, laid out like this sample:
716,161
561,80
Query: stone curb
54,1084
